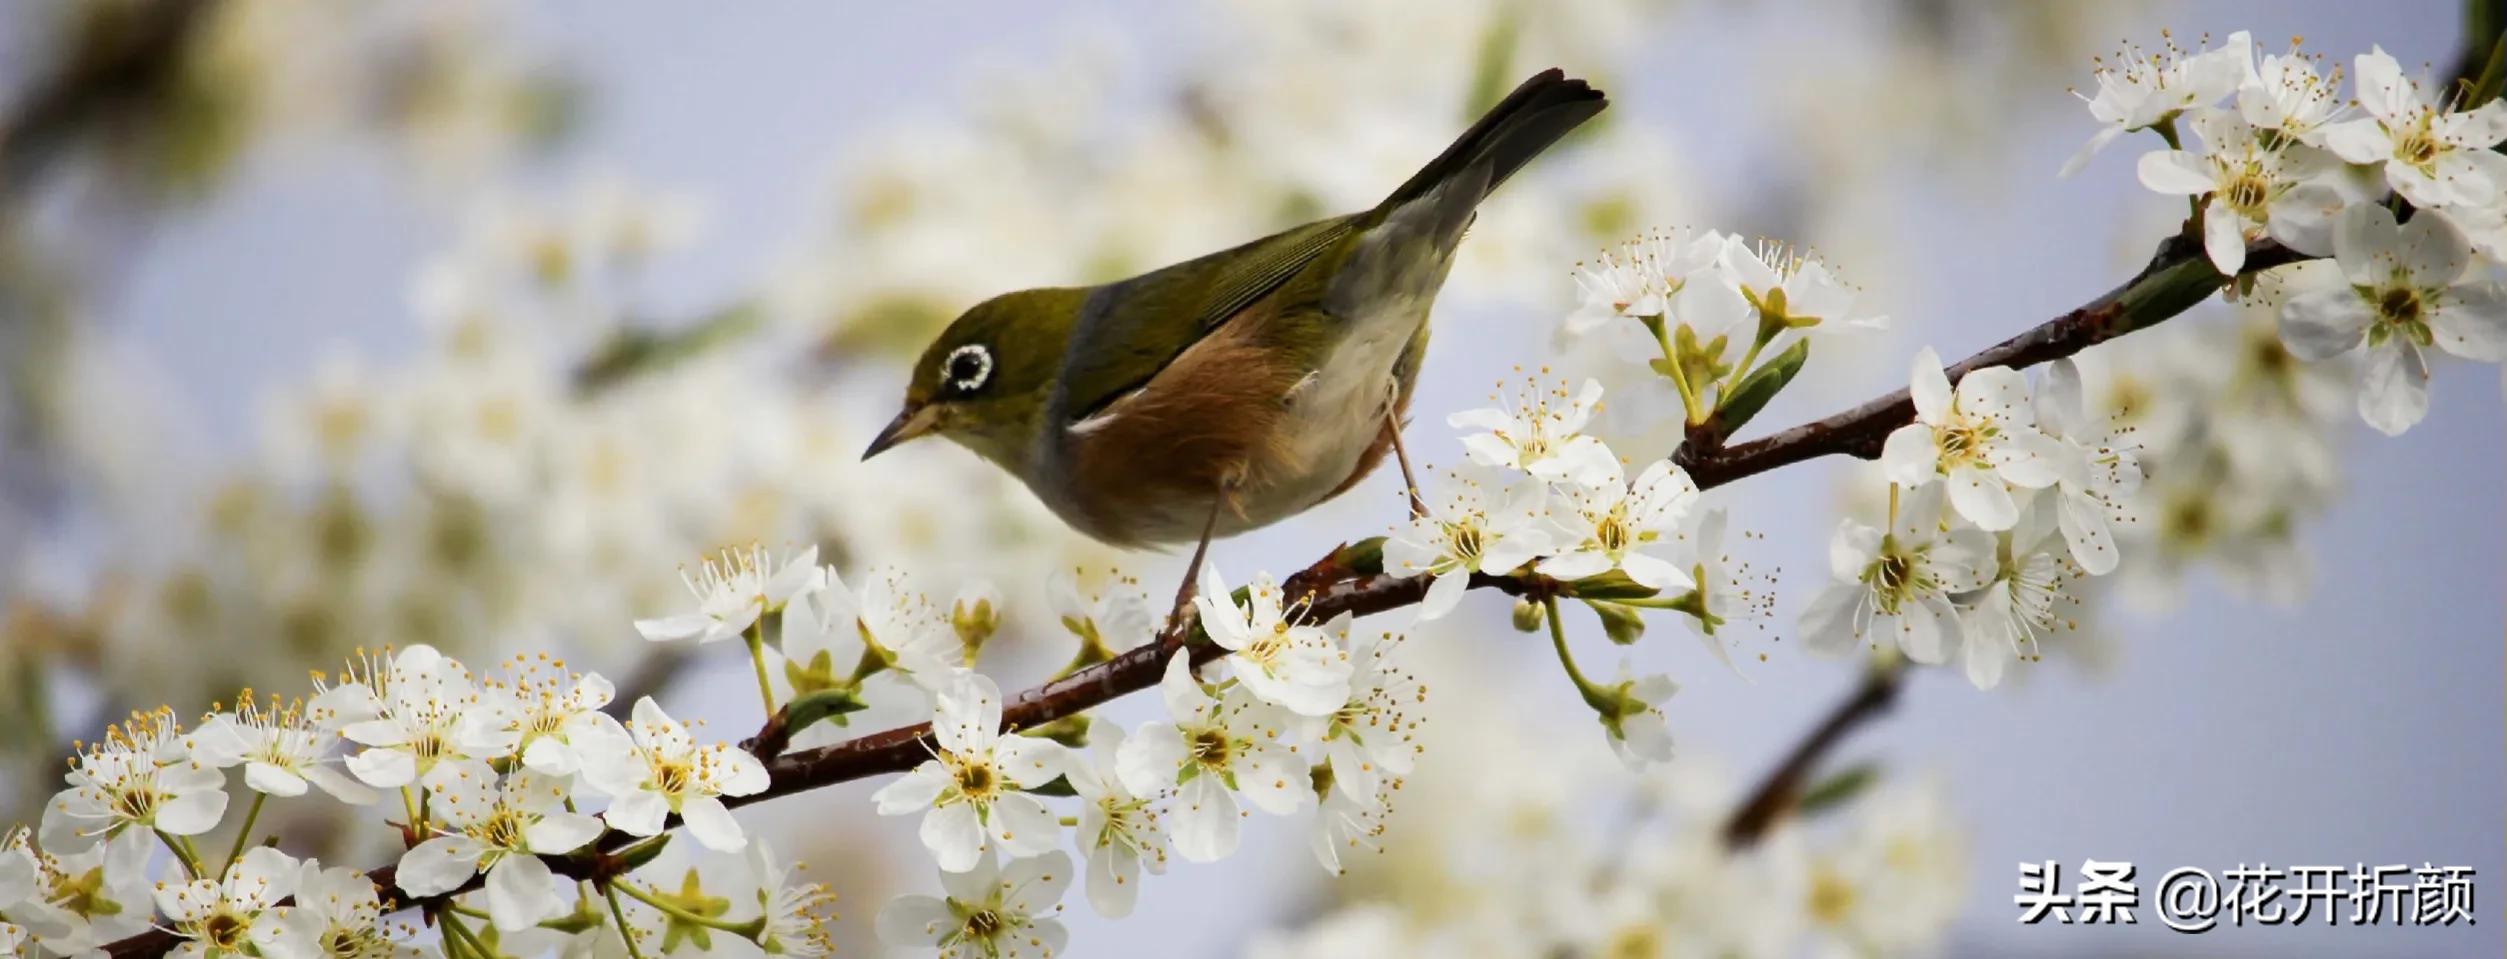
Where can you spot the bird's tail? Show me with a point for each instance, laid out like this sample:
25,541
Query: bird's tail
1524,123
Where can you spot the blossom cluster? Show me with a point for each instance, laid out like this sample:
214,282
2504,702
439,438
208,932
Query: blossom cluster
2287,158
1539,495
1999,501
491,778
1502,855
1715,304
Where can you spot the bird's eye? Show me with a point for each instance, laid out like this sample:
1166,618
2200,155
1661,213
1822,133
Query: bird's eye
967,368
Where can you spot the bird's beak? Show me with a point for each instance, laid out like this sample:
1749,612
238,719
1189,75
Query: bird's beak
911,422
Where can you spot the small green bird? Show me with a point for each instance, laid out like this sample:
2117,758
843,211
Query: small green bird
1229,392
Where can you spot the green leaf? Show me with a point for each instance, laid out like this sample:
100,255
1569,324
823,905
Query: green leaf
634,857
1609,586
1060,786
1364,557
1835,790
1762,384
809,709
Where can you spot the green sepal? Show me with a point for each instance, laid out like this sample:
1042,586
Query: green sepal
1620,623
1762,384
1833,791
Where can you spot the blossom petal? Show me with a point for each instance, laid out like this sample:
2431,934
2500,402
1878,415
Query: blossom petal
1113,880
1928,630
1023,826
1980,496
2472,323
638,812
193,813
439,865
954,836
712,824
1827,625
2394,392
2322,324
1929,385
1205,818
521,892
1910,457
2176,173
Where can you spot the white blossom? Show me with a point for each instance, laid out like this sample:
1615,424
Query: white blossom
2252,188
502,830
1793,287
2288,96
1119,834
1613,524
281,746
1899,583
733,590
1373,737
795,913
1980,441
229,914
2433,156
409,714
79,900
1640,732
1118,620
1292,664
141,778
991,912
1728,592
2100,470
1539,432
1346,817
1649,278
2407,291
545,714
1213,748
660,769
969,792
2004,622
337,915
1482,521
2139,90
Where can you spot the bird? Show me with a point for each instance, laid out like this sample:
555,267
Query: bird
1234,390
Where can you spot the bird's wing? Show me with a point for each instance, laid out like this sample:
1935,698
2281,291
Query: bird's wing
1135,327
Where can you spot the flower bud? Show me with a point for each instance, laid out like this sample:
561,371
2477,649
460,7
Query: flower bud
1621,623
1528,616
976,615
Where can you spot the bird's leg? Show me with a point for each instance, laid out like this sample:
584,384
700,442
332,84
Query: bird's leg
1192,571
1409,481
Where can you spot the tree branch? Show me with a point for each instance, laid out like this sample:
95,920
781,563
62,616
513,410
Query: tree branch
1350,579
1777,793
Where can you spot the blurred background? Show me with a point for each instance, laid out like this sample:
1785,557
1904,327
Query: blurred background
337,325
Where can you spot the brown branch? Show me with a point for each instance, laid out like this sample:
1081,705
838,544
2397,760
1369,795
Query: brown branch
1349,579
1776,794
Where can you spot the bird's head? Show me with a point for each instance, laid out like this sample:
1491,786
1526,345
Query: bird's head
984,381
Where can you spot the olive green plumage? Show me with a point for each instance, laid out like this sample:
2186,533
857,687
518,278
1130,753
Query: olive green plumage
1259,378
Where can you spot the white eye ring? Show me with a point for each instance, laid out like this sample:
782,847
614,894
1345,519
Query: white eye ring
972,381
